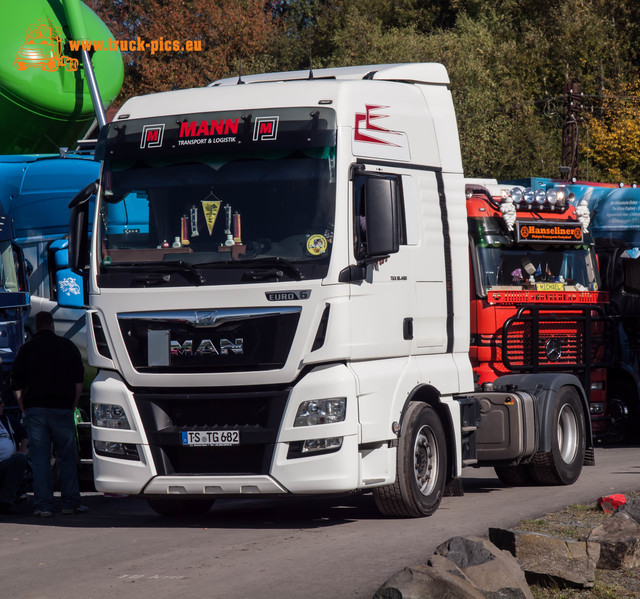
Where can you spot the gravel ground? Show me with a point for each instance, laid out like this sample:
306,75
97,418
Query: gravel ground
575,523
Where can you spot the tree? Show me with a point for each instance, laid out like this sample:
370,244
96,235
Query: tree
229,36
614,136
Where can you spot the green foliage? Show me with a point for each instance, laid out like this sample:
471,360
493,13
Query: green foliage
508,61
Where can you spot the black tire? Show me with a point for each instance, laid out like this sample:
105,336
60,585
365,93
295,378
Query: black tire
514,476
180,508
421,467
563,464
622,410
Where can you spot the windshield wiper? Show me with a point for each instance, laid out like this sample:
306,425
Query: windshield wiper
177,266
273,267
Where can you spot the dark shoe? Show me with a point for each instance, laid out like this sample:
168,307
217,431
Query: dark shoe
8,509
78,509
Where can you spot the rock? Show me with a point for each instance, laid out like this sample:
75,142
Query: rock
631,507
428,582
495,573
548,559
619,539
461,568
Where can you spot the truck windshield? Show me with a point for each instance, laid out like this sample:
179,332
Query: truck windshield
501,264
208,220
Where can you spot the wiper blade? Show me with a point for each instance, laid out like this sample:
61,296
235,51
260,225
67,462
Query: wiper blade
177,266
274,264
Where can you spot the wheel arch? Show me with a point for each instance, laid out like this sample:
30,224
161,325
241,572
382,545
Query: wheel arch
429,395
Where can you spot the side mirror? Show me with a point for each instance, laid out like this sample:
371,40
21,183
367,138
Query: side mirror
378,211
79,228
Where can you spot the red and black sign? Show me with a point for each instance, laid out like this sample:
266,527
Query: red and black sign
545,232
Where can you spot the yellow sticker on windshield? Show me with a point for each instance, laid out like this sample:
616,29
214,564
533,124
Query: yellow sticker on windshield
316,245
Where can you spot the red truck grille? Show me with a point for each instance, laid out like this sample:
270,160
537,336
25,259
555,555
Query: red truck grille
543,340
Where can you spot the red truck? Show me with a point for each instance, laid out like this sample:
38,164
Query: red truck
536,303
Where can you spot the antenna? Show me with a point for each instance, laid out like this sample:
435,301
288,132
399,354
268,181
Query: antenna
310,61
240,81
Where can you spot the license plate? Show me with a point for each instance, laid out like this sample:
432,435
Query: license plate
210,438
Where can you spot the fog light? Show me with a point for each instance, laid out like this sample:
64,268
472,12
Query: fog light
321,411
109,416
321,444
125,451
597,407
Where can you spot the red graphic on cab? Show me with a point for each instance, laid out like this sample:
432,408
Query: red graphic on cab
44,48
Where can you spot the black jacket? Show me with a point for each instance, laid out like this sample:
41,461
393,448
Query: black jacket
47,369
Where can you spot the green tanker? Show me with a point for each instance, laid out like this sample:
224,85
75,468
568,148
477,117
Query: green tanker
45,100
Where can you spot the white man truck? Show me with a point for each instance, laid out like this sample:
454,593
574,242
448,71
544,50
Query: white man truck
277,286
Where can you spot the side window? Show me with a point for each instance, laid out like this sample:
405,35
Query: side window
378,215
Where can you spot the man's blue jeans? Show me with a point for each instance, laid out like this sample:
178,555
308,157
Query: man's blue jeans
47,426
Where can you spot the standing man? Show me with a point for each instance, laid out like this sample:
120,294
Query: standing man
13,461
47,378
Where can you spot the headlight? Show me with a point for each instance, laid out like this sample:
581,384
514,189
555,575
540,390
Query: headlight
516,195
597,386
109,416
540,196
321,411
528,195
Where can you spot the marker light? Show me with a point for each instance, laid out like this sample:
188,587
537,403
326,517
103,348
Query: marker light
516,195
540,196
528,195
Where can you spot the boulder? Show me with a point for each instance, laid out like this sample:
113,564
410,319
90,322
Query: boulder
428,582
547,559
619,538
461,568
631,507
495,573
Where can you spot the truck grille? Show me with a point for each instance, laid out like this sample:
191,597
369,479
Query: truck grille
565,340
222,340
256,415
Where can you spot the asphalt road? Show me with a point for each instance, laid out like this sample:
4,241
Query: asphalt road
245,549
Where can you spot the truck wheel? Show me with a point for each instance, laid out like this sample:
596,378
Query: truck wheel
563,464
514,476
421,467
176,508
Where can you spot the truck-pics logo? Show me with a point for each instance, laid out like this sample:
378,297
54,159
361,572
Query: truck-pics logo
265,128
152,136
43,48
367,130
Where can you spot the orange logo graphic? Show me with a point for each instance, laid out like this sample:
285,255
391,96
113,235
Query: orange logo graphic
44,48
